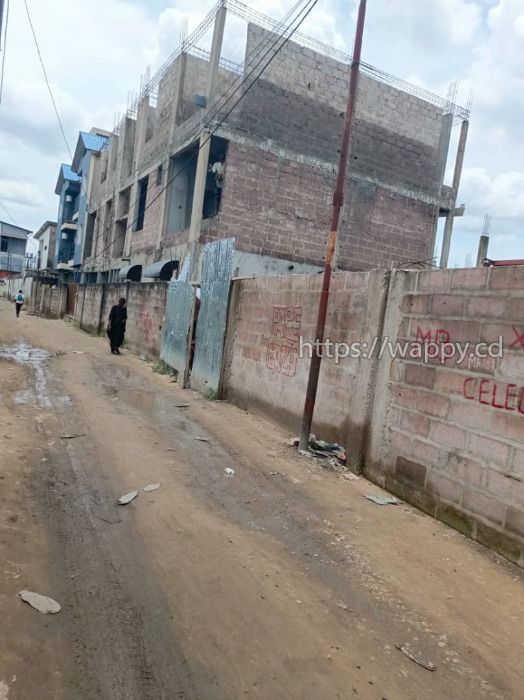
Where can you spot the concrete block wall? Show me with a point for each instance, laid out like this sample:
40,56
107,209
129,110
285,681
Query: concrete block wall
304,72
264,369
145,309
87,308
449,436
146,303
286,218
445,436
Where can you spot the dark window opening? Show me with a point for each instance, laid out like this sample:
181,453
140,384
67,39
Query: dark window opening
141,203
70,205
4,244
181,177
215,178
124,198
159,172
119,238
90,228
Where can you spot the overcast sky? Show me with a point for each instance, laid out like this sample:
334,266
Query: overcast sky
96,51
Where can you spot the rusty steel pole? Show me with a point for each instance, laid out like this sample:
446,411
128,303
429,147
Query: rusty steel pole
338,201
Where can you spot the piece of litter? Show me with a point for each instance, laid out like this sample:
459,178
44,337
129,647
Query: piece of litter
201,439
273,473
72,437
171,449
350,476
428,665
127,498
383,500
151,487
181,405
229,472
78,352
45,605
142,357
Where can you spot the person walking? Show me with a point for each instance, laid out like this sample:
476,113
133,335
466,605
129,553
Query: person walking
19,300
116,327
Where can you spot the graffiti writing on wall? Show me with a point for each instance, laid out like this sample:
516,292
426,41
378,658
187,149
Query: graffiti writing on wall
507,397
440,335
282,349
518,343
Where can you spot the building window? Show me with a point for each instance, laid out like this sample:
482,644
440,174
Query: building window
159,172
141,203
3,244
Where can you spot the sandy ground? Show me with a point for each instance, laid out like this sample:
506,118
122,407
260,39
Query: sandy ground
280,582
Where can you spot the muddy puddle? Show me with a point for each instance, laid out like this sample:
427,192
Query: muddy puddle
39,393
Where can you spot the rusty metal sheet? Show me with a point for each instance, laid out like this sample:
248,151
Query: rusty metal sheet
217,265
179,306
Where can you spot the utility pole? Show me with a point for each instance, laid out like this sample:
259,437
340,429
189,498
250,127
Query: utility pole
205,140
448,227
338,201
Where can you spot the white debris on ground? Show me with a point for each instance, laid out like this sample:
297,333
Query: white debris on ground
127,498
45,605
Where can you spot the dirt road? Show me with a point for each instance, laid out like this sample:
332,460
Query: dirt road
280,582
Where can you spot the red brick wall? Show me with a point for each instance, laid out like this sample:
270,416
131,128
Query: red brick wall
280,207
452,437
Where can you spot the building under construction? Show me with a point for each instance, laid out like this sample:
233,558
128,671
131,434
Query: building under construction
272,128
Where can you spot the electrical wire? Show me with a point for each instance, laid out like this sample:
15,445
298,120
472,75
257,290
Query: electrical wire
306,10
7,210
47,80
4,52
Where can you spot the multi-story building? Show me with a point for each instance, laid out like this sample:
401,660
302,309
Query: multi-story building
72,187
13,244
46,237
277,152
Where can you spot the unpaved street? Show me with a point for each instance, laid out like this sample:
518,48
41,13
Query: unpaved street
280,582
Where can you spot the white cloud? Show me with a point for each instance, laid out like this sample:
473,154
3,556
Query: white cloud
21,193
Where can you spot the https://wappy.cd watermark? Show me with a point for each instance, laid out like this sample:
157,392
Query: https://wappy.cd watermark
427,352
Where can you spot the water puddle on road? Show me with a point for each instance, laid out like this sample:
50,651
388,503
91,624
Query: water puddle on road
39,394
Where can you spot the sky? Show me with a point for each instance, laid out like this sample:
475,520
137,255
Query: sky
95,53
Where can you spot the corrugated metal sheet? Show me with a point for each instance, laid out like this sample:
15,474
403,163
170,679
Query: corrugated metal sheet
179,305
216,279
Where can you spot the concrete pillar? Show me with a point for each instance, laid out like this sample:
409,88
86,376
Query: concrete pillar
443,147
483,250
448,228
205,141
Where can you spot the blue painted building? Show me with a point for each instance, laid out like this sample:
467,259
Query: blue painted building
72,187
68,190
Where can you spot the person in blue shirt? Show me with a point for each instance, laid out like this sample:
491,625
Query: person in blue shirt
19,300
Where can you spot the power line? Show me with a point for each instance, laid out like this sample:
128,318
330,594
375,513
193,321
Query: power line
47,81
4,51
8,213
309,8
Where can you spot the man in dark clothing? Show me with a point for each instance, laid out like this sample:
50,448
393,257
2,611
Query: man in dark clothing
116,327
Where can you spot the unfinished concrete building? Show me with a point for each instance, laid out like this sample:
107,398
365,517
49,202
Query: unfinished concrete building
279,146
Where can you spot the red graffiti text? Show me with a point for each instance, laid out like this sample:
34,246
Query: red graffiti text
507,397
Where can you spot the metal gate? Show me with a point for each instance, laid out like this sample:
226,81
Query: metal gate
176,345
72,290
217,265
